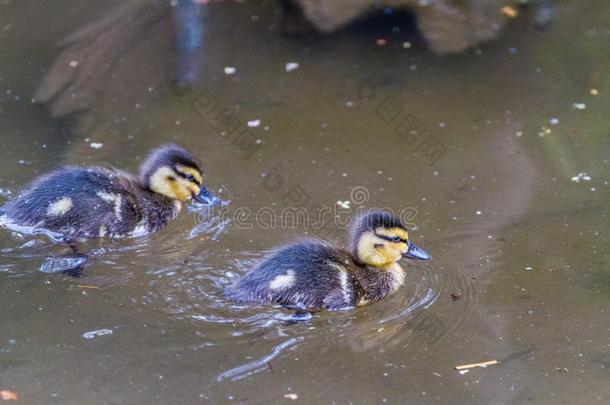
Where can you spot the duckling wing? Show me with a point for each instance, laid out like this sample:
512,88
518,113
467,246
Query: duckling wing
74,201
308,275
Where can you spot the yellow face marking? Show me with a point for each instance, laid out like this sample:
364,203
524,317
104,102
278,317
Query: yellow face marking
194,189
401,233
391,232
378,252
190,170
179,192
168,183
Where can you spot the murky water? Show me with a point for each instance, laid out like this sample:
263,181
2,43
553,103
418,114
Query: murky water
482,153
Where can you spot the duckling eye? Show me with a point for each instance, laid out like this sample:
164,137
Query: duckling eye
190,178
396,239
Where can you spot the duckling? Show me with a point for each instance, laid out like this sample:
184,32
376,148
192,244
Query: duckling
89,202
312,275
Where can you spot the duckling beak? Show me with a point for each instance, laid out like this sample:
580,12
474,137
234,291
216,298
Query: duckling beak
206,197
416,253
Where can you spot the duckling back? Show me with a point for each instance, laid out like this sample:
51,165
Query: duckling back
87,202
307,275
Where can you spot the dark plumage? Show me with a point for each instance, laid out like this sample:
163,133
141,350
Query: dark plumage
84,202
168,155
312,275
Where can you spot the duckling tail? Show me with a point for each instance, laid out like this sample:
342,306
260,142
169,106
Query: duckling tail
241,295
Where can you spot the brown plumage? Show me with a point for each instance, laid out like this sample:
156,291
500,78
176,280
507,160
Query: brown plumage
89,202
312,275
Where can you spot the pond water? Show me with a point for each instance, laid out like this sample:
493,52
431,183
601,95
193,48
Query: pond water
498,157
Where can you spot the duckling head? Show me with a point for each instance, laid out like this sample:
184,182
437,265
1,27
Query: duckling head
171,171
379,239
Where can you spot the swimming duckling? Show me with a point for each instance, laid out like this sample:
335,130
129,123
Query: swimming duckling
311,275
88,202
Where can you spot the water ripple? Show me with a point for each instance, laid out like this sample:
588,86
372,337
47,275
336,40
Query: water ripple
259,365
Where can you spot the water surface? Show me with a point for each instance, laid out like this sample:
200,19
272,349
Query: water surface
520,241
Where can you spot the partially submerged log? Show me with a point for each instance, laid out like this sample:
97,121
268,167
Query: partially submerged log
133,48
85,66
449,26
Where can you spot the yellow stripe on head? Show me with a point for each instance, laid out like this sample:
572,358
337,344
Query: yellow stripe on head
391,232
190,171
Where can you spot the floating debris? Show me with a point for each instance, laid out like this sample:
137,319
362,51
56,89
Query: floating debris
509,11
406,45
594,92
96,145
544,131
344,204
7,395
581,176
230,70
579,106
482,364
455,297
381,42
95,333
254,123
291,396
73,63
290,66
554,121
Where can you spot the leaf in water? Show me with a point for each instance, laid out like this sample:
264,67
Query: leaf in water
95,333
7,395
